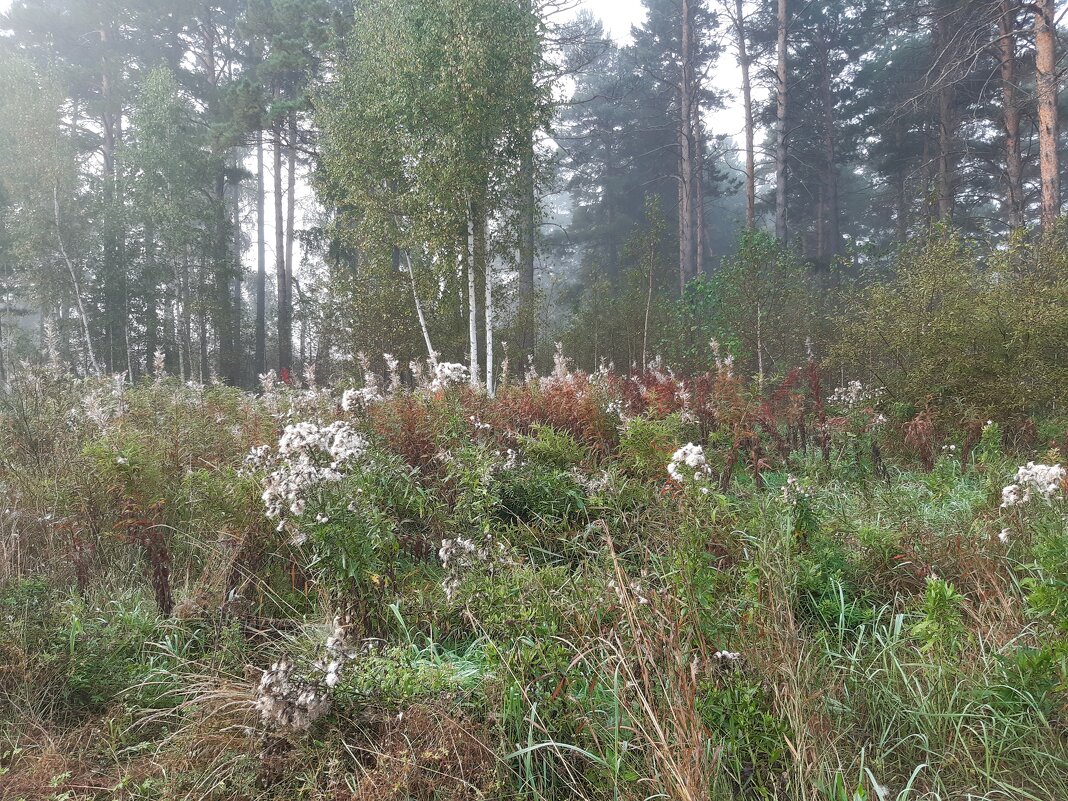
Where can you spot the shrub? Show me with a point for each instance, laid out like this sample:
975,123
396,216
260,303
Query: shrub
973,330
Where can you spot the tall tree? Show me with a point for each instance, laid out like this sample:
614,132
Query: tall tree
1046,90
425,135
782,22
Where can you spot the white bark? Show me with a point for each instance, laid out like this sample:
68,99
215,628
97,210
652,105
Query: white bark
472,299
431,353
74,281
489,329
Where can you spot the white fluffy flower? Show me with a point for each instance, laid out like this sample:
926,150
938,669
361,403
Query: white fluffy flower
692,457
447,374
309,455
355,399
854,394
459,556
1042,479
285,701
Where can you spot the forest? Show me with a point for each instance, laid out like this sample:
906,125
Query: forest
444,400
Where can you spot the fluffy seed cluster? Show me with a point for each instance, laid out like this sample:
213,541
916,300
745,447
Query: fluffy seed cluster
1045,480
853,394
308,455
688,462
447,374
460,556
635,588
354,399
793,492
288,701
339,649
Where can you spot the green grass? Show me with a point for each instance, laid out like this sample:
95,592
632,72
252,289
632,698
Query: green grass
891,647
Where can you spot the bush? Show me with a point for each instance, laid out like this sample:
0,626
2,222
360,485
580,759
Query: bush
976,331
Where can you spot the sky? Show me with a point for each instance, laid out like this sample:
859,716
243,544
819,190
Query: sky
619,15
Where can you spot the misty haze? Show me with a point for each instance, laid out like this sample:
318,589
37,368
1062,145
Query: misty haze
541,400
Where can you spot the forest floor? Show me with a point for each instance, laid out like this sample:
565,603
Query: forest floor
588,587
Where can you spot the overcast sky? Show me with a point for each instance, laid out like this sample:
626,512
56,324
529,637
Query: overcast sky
618,17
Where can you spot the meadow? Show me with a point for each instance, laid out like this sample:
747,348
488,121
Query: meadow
589,586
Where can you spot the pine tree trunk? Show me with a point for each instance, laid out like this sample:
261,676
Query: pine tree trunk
260,358
700,229
291,207
222,265
900,186
527,233
687,155
113,271
1046,71
945,117
1010,114
829,239
780,123
747,102
238,293
152,333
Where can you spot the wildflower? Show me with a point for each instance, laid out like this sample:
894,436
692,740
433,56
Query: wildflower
1003,535
159,364
459,556
724,360
854,394
1044,479
285,701
793,492
392,366
692,457
353,399
635,589
447,374
309,455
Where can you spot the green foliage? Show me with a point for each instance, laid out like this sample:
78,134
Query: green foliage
646,445
941,628
761,304
355,529
552,448
574,616
828,586
969,328
739,713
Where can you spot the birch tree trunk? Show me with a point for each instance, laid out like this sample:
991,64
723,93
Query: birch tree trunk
431,353
260,356
472,298
74,284
747,102
1010,114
